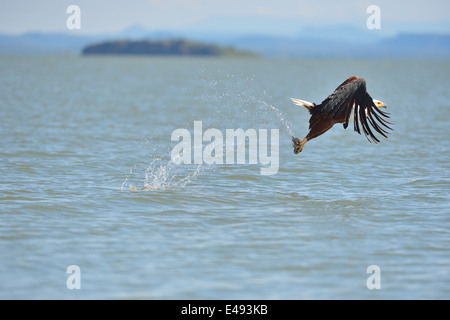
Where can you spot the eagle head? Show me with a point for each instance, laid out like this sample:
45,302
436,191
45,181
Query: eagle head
379,104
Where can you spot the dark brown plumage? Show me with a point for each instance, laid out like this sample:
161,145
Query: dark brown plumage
350,101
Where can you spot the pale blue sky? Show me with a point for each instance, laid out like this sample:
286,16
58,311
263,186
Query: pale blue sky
98,16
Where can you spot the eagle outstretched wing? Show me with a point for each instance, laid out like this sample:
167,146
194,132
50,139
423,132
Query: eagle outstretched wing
351,99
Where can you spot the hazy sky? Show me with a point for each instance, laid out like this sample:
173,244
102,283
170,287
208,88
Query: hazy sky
17,16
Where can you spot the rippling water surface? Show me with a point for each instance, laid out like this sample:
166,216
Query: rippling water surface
87,180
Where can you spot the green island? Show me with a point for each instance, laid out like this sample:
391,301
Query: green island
178,47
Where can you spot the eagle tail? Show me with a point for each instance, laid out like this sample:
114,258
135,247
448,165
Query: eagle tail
308,105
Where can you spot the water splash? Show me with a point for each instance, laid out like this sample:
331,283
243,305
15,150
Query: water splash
246,108
161,174
226,101
169,175
280,116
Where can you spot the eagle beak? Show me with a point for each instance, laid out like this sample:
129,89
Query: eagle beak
381,105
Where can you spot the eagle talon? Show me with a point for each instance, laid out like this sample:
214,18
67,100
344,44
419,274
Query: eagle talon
297,144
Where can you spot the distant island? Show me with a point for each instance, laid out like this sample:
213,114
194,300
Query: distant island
160,47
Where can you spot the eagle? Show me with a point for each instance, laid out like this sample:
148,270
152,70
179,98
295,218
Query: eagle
350,102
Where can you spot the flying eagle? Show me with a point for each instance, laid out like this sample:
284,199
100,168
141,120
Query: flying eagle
349,102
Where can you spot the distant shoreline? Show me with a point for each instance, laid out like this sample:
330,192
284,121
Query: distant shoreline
351,46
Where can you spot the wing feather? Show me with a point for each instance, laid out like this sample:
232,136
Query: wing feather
368,133
356,115
374,124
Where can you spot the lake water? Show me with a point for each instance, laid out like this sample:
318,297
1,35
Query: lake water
87,180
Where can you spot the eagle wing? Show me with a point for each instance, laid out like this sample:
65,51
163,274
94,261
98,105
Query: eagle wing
349,98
